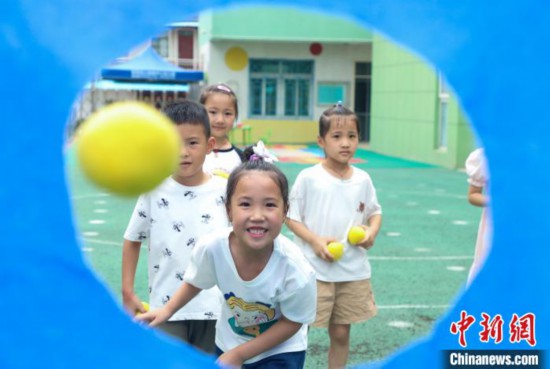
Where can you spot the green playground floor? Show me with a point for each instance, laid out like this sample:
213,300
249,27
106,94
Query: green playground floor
420,260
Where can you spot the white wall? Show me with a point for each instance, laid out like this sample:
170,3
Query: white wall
335,64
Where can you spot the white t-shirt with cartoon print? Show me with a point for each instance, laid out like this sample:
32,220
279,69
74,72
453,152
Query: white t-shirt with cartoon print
172,218
286,287
222,162
329,207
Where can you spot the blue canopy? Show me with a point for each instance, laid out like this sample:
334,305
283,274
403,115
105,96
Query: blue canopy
150,66
105,84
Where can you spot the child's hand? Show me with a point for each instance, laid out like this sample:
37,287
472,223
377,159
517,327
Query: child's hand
321,250
368,241
230,359
133,304
154,317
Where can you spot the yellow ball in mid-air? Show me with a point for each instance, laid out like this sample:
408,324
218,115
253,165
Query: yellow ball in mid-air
336,249
356,234
128,147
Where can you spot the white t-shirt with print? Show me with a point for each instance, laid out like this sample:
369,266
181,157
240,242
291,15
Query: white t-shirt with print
329,207
172,218
286,287
222,161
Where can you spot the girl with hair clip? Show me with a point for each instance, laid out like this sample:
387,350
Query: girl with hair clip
268,285
221,104
327,200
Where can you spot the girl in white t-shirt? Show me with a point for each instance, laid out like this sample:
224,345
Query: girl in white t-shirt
223,109
326,201
268,285
476,169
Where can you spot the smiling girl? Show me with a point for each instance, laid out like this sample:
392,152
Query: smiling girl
222,106
268,286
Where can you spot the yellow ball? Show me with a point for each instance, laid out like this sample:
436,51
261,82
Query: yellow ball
128,147
336,249
356,235
145,306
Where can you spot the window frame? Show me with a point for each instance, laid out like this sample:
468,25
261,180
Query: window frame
281,78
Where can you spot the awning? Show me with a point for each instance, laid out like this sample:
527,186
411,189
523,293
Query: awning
150,66
106,84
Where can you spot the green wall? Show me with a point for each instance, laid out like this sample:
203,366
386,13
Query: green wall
404,110
280,24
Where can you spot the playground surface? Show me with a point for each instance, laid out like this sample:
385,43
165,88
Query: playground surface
419,262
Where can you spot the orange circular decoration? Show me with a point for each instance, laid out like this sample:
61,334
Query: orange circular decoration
316,48
236,58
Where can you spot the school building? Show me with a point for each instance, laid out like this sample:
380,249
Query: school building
287,65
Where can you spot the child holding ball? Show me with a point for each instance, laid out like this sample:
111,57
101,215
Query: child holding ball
267,284
171,219
326,201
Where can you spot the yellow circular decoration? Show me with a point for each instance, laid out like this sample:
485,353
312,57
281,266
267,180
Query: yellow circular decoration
236,58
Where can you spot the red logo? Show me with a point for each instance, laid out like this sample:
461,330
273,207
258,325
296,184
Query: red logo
492,328
521,328
462,326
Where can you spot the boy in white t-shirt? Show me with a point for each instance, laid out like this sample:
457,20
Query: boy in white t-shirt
172,217
326,201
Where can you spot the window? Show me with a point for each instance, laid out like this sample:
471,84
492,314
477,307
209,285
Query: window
281,88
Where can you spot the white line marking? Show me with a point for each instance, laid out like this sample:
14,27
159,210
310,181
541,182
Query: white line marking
400,324
394,307
101,211
432,194
90,234
101,194
422,249
382,258
96,221
393,234
385,258
460,222
112,243
456,268
89,240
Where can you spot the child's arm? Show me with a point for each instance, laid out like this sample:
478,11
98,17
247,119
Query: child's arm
278,333
476,196
130,257
183,295
318,244
371,231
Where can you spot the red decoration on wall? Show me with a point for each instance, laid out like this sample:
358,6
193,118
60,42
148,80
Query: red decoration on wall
316,48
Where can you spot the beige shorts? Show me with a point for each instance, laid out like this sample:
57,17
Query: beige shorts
344,302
